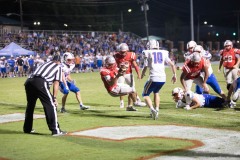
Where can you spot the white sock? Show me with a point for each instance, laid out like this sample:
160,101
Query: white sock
152,109
138,98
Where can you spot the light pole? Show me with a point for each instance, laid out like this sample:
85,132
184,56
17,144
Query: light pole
20,15
145,8
191,20
198,29
21,21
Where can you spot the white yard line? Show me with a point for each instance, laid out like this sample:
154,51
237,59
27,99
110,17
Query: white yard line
16,117
218,144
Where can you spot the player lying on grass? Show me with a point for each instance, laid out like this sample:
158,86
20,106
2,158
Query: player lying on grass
189,100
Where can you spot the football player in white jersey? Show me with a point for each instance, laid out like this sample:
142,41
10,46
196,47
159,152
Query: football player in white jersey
67,66
190,100
190,47
155,60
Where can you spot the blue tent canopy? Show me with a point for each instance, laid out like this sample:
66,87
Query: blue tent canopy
15,50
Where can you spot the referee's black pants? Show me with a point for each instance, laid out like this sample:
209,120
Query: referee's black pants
36,88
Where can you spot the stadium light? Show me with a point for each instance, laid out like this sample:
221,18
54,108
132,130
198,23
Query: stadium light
36,23
122,25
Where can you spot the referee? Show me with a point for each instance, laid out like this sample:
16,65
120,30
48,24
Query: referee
37,86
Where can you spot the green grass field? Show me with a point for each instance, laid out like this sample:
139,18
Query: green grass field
104,111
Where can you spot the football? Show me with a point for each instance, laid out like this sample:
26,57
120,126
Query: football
122,69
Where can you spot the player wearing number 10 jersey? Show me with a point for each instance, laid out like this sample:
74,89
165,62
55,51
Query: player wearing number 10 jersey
155,60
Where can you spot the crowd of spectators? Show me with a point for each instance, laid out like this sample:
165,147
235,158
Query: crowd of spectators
85,43
87,47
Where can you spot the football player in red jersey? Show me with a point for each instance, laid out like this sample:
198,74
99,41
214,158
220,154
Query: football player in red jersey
191,72
230,61
128,59
110,74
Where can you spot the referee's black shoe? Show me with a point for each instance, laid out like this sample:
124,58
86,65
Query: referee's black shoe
32,131
62,133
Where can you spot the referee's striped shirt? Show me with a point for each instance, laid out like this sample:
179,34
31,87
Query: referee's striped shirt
50,71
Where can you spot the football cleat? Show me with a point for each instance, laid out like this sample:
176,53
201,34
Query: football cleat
121,104
154,114
63,110
156,117
82,107
140,104
226,104
235,95
232,104
32,131
131,108
62,133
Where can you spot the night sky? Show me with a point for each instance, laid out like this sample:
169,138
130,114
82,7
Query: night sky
106,15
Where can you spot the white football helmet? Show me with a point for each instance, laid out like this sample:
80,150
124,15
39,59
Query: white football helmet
191,44
228,43
177,94
67,55
198,48
196,57
123,47
110,62
153,44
